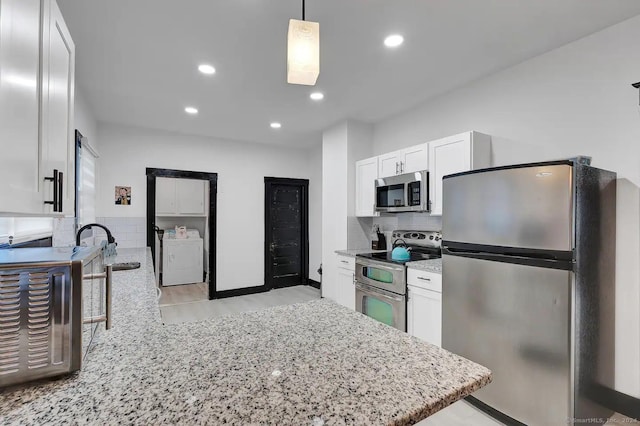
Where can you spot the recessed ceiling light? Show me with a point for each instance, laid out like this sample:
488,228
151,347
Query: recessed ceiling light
275,125
317,96
394,40
207,69
191,110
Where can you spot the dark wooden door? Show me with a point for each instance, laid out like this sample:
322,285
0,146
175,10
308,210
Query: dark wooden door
286,232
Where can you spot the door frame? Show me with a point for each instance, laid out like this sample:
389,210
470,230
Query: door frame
152,174
304,184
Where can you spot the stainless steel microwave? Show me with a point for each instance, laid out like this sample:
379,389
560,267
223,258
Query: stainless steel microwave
408,192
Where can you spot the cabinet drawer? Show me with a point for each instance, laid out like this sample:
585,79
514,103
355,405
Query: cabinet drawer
424,279
347,262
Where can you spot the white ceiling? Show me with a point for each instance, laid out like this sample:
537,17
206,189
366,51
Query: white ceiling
136,60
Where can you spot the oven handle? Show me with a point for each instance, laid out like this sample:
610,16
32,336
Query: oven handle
378,292
380,265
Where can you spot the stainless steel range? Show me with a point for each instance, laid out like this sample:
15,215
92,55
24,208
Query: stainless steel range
381,280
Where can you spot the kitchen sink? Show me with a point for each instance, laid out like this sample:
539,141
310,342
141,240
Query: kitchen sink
125,266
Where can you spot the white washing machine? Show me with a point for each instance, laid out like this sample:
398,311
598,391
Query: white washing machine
182,259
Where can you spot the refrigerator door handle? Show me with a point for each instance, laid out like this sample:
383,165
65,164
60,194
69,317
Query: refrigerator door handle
541,262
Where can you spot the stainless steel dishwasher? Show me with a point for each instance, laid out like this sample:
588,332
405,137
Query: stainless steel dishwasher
47,315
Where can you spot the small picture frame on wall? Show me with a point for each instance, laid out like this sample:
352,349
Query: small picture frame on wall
123,195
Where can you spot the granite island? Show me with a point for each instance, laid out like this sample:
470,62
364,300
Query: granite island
309,363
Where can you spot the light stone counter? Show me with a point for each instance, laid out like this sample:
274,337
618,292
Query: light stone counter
431,265
288,365
355,252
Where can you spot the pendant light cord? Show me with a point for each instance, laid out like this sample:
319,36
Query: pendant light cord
303,10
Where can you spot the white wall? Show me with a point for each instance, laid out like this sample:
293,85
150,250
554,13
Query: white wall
126,152
315,211
85,120
573,100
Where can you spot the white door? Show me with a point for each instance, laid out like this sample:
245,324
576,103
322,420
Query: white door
19,106
424,315
190,196
58,135
165,196
415,159
388,164
447,156
346,288
182,262
366,174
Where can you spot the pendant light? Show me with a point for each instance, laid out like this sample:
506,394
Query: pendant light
303,51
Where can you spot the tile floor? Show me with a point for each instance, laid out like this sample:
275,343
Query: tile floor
188,303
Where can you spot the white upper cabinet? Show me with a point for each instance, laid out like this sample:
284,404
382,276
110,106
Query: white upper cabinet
37,58
190,196
454,154
406,160
366,174
19,108
58,145
180,197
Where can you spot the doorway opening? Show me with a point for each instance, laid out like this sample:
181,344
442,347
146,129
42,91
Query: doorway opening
286,226
181,232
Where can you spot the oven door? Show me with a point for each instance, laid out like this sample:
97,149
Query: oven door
383,275
383,306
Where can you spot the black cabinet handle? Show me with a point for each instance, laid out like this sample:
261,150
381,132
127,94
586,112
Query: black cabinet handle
60,197
57,202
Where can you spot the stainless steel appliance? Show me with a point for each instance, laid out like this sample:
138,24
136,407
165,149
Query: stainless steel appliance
381,281
408,192
43,305
528,286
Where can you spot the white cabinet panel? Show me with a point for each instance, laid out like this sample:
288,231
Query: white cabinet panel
454,154
424,315
180,197
58,136
414,159
19,108
424,279
389,164
165,196
346,291
190,196
366,174
37,62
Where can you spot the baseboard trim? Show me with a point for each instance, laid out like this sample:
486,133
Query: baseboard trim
313,283
617,401
240,292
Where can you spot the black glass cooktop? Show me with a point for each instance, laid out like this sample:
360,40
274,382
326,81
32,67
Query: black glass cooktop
386,257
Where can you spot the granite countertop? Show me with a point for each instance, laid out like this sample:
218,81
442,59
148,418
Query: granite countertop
355,252
296,364
431,265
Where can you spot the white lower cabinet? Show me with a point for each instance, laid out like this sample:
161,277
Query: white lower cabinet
346,289
424,305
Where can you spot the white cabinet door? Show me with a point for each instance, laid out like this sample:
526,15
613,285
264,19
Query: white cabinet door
346,290
165,196
58,136
389,164
190,196
366,174
447,156
19,106
415,159
424,315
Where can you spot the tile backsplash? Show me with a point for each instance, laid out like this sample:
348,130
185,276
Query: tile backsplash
129,232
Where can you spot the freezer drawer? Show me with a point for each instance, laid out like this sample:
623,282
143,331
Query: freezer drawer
515,320
525,207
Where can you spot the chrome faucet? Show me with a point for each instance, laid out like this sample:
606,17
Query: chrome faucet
110,238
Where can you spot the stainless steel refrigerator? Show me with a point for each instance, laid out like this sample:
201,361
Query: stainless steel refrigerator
528,286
